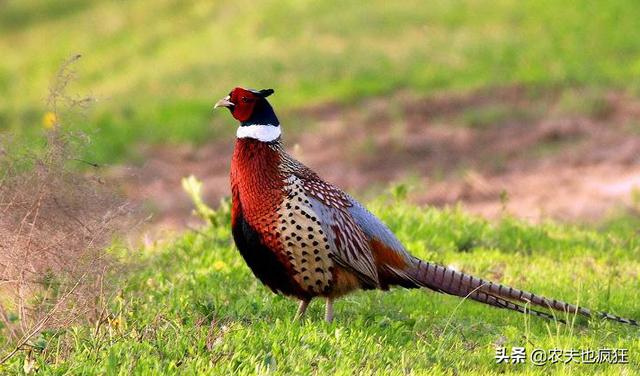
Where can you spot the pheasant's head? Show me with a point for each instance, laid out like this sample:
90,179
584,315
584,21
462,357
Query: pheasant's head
248,105
256,116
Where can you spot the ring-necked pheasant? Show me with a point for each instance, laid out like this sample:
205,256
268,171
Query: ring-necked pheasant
305,238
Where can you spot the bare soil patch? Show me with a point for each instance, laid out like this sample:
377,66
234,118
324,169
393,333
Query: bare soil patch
570,155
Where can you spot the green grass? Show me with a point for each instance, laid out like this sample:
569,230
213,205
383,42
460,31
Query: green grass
193,306
157,67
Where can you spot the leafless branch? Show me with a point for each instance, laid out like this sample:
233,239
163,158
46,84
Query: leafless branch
56,224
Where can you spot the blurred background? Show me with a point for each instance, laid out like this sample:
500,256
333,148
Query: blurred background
528,108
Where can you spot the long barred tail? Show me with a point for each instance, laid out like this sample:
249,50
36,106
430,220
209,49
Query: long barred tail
449,281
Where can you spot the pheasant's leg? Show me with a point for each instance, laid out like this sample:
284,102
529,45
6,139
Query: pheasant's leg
302,308
328,313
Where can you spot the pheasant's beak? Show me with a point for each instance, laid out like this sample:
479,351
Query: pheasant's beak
224,102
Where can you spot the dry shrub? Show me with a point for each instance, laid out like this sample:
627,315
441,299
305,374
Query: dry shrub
57,222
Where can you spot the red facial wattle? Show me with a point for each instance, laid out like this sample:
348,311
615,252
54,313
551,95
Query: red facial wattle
244,101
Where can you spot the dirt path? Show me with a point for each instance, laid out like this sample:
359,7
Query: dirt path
567,155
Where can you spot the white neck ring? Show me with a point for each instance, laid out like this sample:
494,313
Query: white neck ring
260,132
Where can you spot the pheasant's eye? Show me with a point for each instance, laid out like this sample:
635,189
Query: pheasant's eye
245,99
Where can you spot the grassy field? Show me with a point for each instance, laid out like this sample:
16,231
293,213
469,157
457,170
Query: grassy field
156,68
193,306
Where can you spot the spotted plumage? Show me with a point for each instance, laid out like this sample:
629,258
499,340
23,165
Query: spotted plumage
306,238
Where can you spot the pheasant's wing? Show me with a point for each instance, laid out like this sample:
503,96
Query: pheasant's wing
349,243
